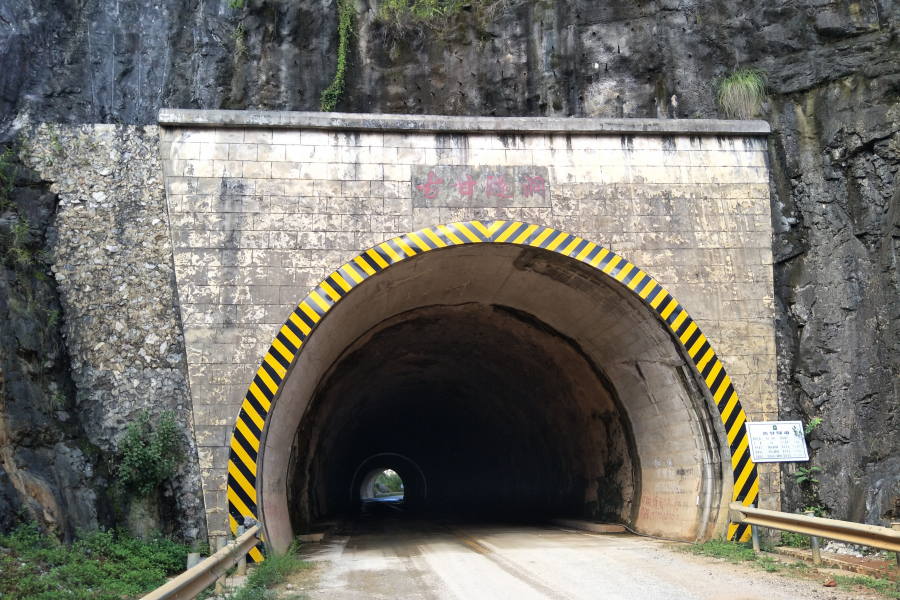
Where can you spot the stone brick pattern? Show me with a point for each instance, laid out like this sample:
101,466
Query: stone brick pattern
112,260
259,216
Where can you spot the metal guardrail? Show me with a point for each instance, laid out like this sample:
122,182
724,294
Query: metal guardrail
832,529
196,579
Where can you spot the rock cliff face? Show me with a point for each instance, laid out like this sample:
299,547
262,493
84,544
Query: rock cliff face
834,71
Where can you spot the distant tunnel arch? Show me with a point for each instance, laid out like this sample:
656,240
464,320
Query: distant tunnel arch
524,369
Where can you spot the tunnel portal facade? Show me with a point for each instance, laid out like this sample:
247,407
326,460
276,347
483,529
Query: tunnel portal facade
500,362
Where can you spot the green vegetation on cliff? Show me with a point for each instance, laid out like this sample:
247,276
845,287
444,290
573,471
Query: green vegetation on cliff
346,14
99,566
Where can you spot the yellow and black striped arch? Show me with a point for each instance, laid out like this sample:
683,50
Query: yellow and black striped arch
242,465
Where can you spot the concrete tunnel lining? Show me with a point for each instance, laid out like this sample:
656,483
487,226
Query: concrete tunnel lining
679,447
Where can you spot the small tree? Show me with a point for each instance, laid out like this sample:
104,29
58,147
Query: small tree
150,452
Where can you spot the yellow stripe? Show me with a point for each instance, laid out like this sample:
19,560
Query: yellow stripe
260,397
435,238
238,503
524,235
609,266
330,291
752,494
449,234
648,289
481,228
251,412
636,280
300,323
251,437
273,362
585,251
730,404
362,264
679,320
558,240
377,258
495,226
462,227
624,272
319,300
425,247
736,427
404,246
661,294
233,524
701,339
600,256
701,364
713,373
669,309
351,272
292,338
742,479
242,454
544,235
309,312
390,251
236,473
688,333
255,554
509,231
736,457
341,281
572,245
726,381
273,387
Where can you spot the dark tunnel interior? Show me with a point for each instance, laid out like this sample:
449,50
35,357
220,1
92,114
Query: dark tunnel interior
482,410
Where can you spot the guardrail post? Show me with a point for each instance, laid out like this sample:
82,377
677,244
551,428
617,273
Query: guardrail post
896,527
221,542
754,533
242,564
814,542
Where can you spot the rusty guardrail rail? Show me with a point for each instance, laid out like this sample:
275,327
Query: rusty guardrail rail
816,527
196,579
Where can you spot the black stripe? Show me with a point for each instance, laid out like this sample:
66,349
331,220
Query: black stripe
742,462
748,485
274,353
249,424
396,248
741,432
550,238
250,398
694,336
475,231
244,444
590,255
424,238
684,326
334,285
242,494
661,307
354,267
726,396
287,343
271,371
578,248
739,532
245,471
384,255
729,422
709,366
653,295
441,236
701,353
605,260
714,388
370,261
499,232
676,312
567,239
305,318
627,279
263,387
534,235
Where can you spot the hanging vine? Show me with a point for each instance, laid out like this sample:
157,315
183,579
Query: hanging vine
331,95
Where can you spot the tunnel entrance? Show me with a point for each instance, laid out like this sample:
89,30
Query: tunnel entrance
537,375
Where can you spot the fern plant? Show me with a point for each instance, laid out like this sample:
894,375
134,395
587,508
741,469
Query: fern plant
805,475
741,94
150,452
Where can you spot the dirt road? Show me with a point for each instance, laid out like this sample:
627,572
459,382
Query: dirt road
423,560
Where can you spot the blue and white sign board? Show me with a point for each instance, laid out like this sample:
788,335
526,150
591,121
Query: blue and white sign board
777,441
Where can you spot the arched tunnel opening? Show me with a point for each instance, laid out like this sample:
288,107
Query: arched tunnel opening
498,382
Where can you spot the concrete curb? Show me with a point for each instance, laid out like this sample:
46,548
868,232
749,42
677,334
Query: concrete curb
448,124
835,562
588,526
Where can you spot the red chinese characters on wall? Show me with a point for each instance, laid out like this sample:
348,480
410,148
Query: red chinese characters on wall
490,183
430,189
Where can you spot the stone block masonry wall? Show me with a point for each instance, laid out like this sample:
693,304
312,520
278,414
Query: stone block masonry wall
114,272
260,215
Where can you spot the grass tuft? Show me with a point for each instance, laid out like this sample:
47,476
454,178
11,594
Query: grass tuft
740,95
270,572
